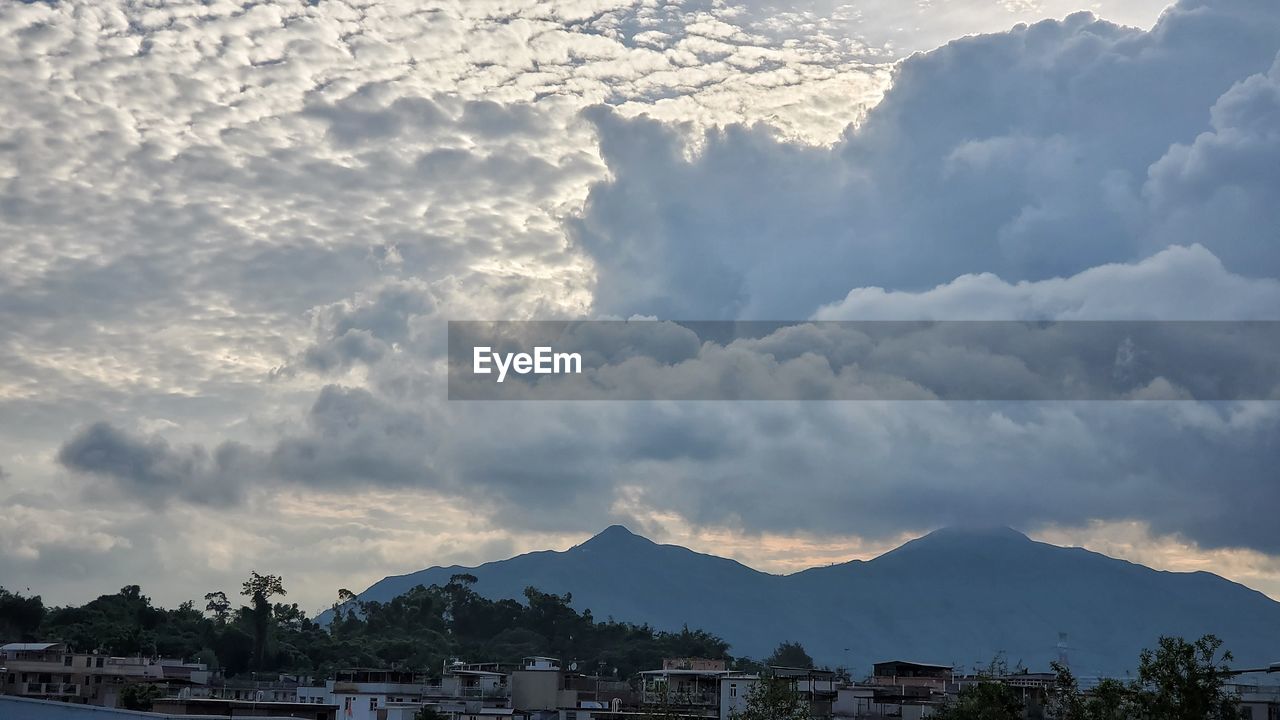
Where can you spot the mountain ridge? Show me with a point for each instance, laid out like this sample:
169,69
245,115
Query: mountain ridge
956,595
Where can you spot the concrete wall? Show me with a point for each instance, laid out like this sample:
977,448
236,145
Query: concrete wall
536,689
16,708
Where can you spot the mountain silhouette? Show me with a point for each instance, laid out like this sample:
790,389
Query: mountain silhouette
960,596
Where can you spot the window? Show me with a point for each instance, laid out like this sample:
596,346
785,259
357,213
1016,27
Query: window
88,662
67,661
733,690
98,663
373,703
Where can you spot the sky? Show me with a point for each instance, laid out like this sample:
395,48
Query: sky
231,235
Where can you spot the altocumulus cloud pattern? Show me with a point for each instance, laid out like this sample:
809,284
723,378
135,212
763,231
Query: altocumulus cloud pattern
233,234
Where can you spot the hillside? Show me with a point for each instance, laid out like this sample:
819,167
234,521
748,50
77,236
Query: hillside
956,596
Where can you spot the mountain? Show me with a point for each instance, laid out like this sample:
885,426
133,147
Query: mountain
956,596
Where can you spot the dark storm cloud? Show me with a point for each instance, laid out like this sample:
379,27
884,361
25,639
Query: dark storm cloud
353,438
151,471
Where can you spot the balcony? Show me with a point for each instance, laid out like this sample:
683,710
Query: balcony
58,689
705,698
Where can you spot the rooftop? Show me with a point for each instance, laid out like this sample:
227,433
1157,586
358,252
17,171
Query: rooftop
29,647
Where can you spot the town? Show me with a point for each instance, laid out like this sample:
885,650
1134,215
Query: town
48,680
397,661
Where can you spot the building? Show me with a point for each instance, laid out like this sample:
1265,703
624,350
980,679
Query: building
207,707
20,708
462,691
359,693
905,674
543,690
693,664
691,693
816,688
283,689
1258,702
50,671
898,689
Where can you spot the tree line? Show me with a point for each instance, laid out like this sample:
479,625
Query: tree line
1177,680
255,631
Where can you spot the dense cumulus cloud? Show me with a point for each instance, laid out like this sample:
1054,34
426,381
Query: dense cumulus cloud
234,234
1033,154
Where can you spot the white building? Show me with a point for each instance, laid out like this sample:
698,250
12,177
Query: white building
476,692
701,693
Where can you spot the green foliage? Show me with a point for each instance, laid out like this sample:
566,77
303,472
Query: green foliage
19,616
419,631
139,697
1108,700
218,605
790,654
773,699
1186,681
429,713
260,589
988,699
1179,680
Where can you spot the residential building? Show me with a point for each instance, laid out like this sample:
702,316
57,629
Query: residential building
816,688
1258,702
205,707
691,693
51,671
461,691
545,690
21,708
917,675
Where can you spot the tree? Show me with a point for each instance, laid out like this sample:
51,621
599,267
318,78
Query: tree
260,589
217,603
773,699
1186,681
139,697
790,654
20,617
988,699
1108,700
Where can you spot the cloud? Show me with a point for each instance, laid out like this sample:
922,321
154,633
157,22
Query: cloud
1223,185
150,471
1024,154
198,195
353,437
365,329
1179,283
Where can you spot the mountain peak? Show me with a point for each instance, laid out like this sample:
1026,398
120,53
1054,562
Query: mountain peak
976,532
962,539
614,536
958,593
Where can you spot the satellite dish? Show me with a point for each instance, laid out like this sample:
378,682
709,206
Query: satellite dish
573,666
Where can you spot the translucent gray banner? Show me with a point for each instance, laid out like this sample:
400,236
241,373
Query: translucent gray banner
872,360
